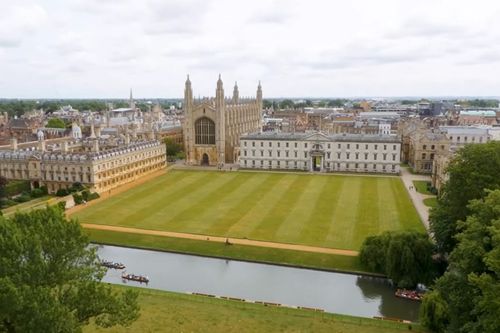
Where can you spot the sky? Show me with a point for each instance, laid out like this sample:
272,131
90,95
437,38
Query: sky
313,48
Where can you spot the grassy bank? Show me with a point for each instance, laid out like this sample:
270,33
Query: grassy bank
422,186
240,252
172,312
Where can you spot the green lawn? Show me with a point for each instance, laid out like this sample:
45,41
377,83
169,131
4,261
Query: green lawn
321,210
172,312
430,202
238,252
422,186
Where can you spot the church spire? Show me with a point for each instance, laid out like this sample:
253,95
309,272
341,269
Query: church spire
131,103
236,93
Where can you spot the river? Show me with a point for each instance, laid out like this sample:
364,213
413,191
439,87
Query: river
348,294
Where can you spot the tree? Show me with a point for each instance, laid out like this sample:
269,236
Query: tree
50,277
405,257
475,168
3,184
56,123
173,148
471,284
434,312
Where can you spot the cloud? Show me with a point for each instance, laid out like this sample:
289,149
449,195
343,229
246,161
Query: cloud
18,21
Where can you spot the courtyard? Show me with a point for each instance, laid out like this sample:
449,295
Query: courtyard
335,211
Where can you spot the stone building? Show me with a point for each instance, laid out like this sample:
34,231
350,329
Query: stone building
424,145
320,152
212,126
100,164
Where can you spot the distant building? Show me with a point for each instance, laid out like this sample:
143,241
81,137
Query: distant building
320,152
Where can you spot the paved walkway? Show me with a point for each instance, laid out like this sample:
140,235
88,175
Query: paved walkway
416,197
238,241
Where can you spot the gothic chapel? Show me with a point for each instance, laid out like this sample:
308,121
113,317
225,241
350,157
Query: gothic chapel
213,126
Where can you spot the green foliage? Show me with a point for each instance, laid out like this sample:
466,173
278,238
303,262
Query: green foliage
286,104
50,277
481,103
24,197
77,198
471,285
93,196
405,257
62,192
56,123
475,168
15,187
336,103
173,148
434,312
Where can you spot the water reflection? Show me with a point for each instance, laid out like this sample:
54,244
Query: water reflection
333,292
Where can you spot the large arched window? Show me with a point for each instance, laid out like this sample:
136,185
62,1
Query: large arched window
204,130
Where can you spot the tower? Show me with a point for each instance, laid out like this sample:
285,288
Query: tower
131,102
236,94
220,122
188,121
259,96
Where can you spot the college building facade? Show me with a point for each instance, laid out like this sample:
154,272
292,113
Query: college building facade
212,126
320,152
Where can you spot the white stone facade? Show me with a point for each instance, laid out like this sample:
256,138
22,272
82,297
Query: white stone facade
320,152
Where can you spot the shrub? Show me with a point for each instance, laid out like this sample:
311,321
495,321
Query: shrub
93,196
37,193
23,198
62,192
85,195
78,199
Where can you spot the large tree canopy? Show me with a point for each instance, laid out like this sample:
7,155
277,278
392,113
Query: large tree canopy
50,277
466,298
405,257
56,123
475,168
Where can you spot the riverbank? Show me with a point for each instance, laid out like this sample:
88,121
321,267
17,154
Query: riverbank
321,261
174,312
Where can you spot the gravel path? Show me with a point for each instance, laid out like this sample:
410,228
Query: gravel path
218,239
416,197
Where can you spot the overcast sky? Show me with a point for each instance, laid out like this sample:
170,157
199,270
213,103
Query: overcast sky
102,48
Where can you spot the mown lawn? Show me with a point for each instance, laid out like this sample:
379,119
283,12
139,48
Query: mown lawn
172,312
422,186
335,211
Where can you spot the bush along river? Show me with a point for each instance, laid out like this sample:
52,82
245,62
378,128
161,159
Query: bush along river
348,294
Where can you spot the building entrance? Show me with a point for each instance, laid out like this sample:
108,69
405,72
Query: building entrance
316,163
205,160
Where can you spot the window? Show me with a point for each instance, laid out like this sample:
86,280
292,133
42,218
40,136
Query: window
348,146
295,154
393,157
338,156
347,155
328,146
245,143
262,144
394,147
458,138
270,153
278,144
286,153
424,147
432,156
338,146
385,157
270,144
253,143
245,153
328,155
385,147
305,145
262,153
376,146
278,153
366,146
424,155
253,152
432,147
204,131
305,154
357,156
287,144
357,146
375,157
366,156
295,144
